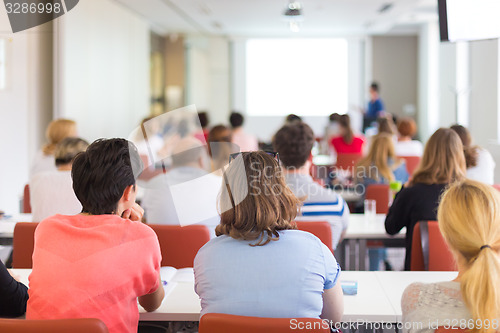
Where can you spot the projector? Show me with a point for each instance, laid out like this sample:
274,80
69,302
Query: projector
294,9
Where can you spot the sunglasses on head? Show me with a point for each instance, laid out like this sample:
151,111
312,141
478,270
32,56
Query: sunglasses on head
274,154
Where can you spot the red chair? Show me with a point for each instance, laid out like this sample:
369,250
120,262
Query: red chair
412,163
320,229
429,251
347,161
224,323
80,325
380,193
496,186
26,200
179,245
23,244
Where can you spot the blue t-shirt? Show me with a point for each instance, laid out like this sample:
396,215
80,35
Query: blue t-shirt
374,107
282,279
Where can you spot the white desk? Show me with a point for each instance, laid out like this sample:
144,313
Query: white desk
7,226
378,298
359,231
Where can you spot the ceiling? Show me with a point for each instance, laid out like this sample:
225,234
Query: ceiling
263,18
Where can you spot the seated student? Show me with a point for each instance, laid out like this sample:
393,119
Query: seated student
13,294
245,141
480,164
443,163
189,161
347,142
469,219
259,265
220,146
97,263
204,121
57,130
52,191
380,166
332,129
294,142
406,146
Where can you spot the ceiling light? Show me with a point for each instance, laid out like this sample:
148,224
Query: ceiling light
293,15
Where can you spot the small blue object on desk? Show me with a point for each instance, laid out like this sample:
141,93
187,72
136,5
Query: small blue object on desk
349,287
164,282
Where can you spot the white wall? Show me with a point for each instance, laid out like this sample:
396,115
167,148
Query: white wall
102,60
208,76
395,68
25,106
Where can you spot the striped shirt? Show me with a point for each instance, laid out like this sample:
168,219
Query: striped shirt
320,204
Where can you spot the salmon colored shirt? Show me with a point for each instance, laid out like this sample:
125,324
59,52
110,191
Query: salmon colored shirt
93,267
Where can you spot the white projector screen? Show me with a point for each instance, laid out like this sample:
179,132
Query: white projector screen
462,20
301,76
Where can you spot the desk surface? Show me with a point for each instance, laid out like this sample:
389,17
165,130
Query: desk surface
359,227
394,285
378,298
362,228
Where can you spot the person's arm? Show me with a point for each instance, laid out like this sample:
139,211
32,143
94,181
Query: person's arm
399,213
13,295
152,301
333,303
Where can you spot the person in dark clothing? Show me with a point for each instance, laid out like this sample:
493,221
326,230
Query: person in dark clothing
13,295
443,163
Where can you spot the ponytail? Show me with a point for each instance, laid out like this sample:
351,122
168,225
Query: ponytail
480,286
469,219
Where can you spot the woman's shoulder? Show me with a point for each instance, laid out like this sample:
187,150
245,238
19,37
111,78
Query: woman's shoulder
419,294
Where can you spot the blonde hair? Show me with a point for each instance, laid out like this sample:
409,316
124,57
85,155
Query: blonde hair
443,161
381,150
469,219
255,201
57,131
67,150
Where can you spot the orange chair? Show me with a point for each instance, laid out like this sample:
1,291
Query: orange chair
179,245
380,193
347,161
80,325
26,200
320,229
23,244
224,323
429,251
412,163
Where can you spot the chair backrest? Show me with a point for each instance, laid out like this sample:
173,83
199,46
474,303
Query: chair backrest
429,251
23,244
320,229
79,325
26,200
380,193
347,161
179,245
412,163
224,323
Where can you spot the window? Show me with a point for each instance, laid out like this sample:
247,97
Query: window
301,76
